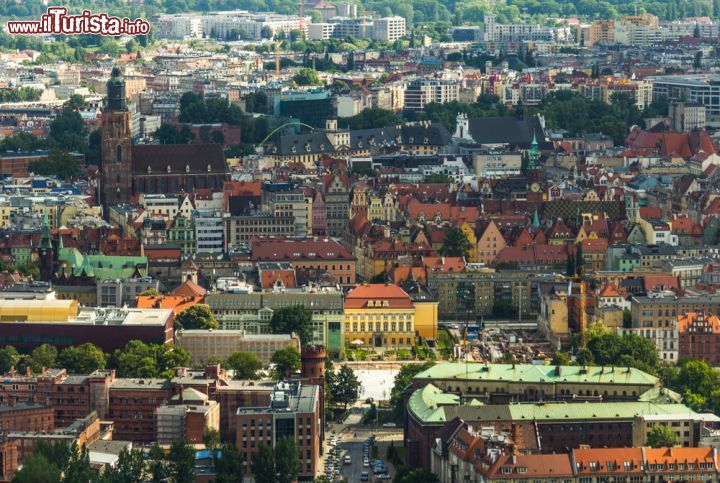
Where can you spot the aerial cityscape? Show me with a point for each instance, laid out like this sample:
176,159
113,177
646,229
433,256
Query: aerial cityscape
421,241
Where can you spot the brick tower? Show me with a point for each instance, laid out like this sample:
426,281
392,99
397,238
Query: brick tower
115,147
312,371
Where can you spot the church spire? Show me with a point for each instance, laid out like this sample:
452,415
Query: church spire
45,241
533,154
536,220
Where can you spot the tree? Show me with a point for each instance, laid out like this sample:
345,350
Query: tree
58,163
307,77
662,436
293,319
82,359
78,468
372,117
182,462
199,316
9,357
245,365
697,61
228,466
561,359
402,380
158,466
43,356
266,32
344,386
287,460
37,469
456,244
138,359
130,467
263,465
166,134
211,438
415,475
151,292
287,361
437,178
67,131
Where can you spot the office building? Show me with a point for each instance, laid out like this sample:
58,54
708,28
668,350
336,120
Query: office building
207,345
294,412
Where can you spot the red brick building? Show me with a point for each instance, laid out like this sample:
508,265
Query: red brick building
321,255
294,412
699,336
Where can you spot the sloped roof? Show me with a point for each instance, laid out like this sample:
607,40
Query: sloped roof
396,297
505,130
179,157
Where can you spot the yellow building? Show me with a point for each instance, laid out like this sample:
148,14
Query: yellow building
379,315
38,310
472,239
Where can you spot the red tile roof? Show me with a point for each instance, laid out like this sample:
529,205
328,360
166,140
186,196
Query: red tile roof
270,277
189,289
360,296
444,264
298,250
598,460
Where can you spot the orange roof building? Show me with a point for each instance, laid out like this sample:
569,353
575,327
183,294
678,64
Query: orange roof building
379,315
176,303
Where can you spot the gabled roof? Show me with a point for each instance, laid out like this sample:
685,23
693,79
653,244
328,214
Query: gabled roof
189,289
180,157
362,295
505,130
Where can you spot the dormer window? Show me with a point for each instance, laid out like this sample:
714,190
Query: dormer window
307,147
149,170
169,169
209,168
425,140
411,140
274,149
322,147
293,150
187,168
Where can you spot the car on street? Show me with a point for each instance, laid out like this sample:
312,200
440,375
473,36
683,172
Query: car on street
382,476
348,459
364,476
389,425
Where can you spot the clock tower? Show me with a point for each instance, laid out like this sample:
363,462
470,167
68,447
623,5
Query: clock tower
115,145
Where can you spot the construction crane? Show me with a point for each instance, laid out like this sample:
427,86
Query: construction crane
277,59
364,22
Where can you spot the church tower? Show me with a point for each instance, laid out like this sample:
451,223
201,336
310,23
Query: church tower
115,178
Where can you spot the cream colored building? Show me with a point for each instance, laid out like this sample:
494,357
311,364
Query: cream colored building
205,345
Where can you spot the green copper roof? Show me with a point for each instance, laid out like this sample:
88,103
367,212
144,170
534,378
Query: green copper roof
538,374
103,267
426,403
430,405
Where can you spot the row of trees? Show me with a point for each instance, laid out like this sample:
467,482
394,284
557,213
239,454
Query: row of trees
136,359
196,109
59,462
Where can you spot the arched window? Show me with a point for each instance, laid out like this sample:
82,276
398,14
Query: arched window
118,153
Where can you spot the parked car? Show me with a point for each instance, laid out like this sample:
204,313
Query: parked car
389,425
364,476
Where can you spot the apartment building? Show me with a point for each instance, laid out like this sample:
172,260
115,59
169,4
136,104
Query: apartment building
423,91
388,29
242,229
703,89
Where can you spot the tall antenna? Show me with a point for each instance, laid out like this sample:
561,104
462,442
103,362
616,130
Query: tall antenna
302,5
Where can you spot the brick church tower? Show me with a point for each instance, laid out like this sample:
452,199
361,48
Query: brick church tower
115,147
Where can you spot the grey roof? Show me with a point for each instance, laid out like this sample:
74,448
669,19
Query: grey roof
310,143
505,130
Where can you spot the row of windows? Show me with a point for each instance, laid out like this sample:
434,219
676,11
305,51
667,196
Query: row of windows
392,327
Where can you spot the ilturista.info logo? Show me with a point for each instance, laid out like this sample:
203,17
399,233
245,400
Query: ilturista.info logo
57,21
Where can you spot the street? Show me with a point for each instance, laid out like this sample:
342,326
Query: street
353,435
